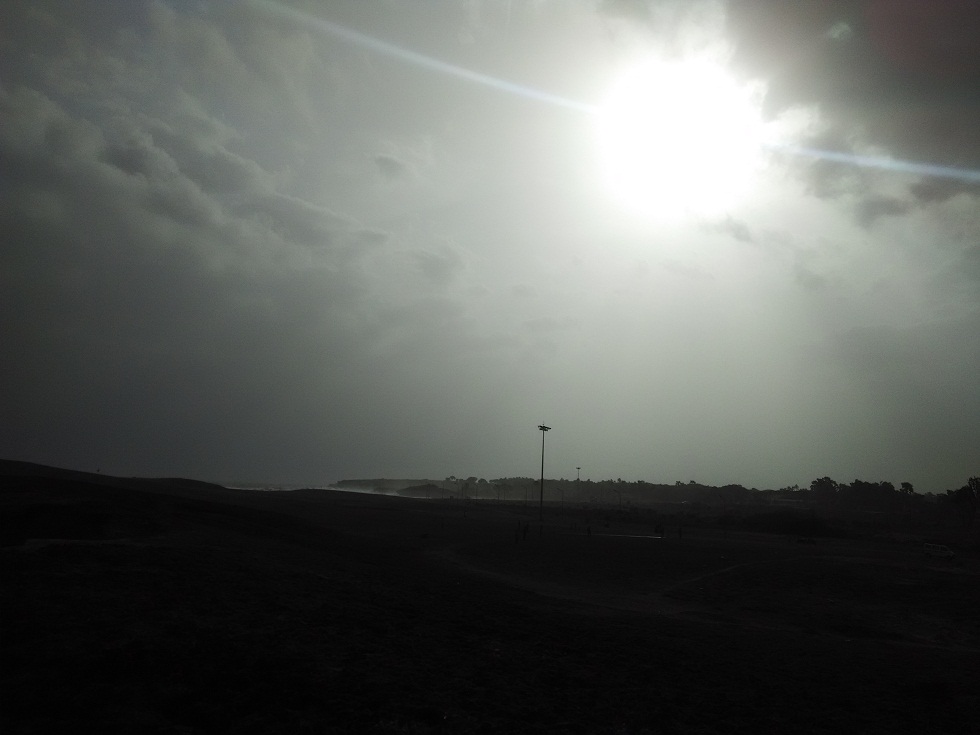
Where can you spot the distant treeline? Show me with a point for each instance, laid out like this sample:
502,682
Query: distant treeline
823,493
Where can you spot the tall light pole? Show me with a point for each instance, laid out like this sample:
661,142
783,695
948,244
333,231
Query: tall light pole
543,429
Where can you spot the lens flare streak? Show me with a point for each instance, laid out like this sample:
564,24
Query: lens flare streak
420,60
887,164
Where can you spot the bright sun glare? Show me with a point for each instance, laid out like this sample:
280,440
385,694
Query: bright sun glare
678,137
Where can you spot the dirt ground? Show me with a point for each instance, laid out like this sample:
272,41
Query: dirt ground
138,606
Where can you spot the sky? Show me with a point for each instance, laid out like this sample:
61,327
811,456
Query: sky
303,241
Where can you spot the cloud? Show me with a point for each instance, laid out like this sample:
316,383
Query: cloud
733,227
405,160
898,79
164,294
439,268
809,279
869,209
905,78
937,190
390,167
233,249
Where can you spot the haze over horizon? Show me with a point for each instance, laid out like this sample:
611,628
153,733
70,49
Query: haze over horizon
735,242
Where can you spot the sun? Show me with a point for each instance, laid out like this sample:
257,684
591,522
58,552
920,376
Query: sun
679,137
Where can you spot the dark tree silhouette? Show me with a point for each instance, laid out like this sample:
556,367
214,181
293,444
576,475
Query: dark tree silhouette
965,500
824,489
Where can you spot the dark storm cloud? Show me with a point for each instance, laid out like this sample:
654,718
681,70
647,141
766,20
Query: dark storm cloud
120,204
934,190
163,301
900,75
209,164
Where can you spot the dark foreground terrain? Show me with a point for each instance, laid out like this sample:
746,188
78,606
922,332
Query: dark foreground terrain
144,606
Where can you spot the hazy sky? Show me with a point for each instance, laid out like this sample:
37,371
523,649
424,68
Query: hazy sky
302,241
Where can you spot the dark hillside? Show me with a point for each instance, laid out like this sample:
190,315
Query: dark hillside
157,606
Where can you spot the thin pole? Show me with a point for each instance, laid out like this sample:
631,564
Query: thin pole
543,429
